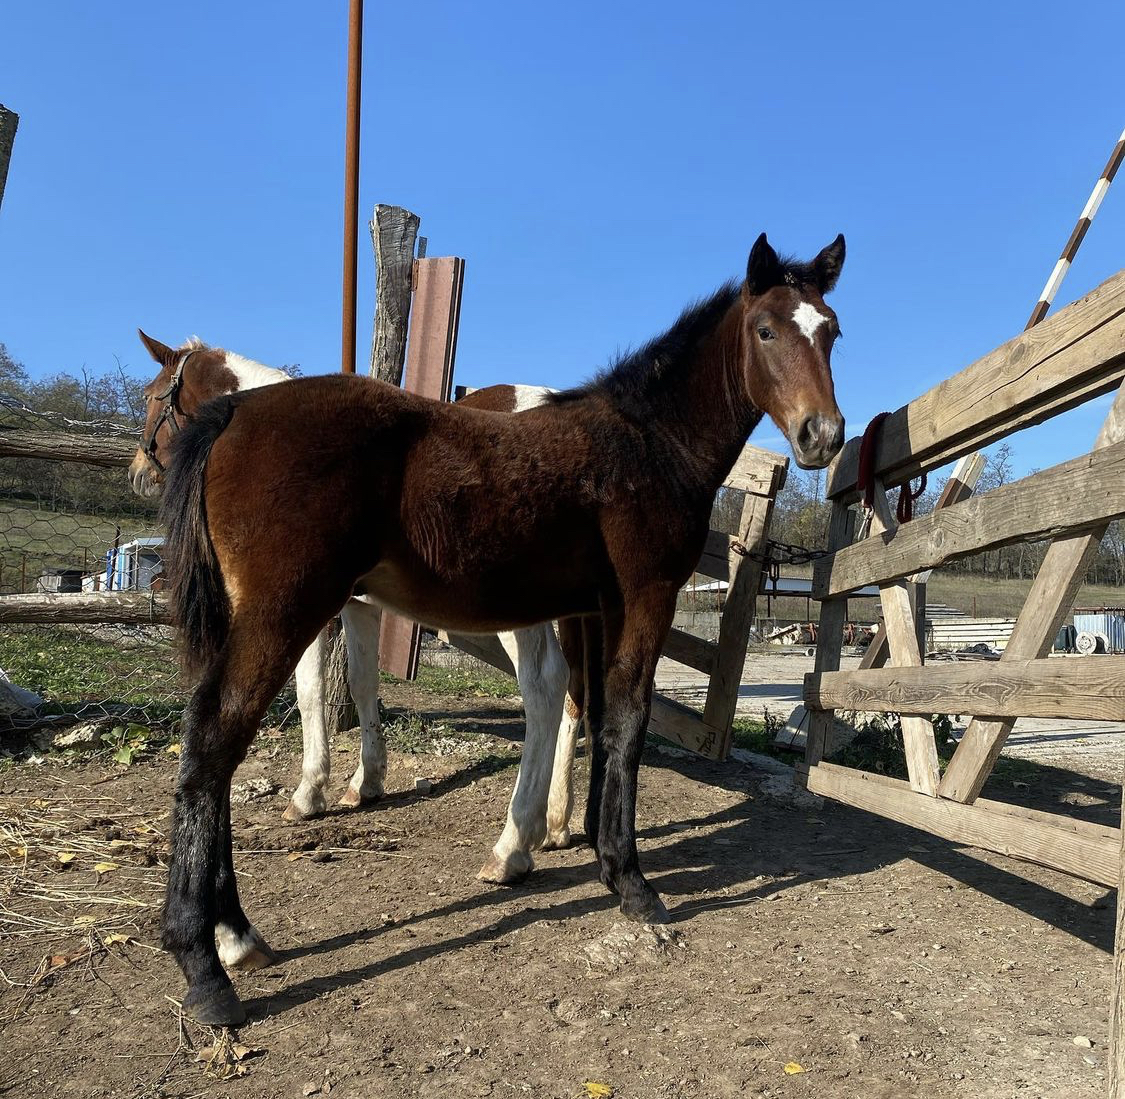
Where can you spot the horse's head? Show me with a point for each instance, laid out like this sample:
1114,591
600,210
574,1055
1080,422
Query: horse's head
189,375
788,333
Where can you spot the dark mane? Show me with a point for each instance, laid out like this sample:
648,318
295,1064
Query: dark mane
637,375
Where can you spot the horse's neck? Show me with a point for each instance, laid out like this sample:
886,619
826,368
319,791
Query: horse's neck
710,412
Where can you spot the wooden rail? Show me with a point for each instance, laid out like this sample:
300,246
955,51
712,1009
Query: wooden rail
1077,354
60,446
1076,495
1088,688
85,608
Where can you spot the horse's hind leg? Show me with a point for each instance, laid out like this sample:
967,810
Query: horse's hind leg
362,623
309,799
560,801
219,724
541,672
241,946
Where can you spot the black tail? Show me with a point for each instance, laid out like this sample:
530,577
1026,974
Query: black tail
200,607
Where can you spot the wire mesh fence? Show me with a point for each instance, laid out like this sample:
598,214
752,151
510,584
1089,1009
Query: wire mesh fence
70,528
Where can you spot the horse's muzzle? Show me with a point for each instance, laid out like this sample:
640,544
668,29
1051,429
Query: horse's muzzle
817,440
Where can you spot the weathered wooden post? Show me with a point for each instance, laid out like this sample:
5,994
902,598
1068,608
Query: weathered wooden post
393,233
9,121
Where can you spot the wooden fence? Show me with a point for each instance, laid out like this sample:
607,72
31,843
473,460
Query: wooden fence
1066,360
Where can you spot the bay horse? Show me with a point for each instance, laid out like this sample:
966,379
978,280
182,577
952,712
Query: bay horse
541,803
284,501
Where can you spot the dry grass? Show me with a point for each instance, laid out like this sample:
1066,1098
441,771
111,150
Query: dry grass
76,873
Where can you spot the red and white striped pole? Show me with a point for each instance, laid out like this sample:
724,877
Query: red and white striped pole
1072,245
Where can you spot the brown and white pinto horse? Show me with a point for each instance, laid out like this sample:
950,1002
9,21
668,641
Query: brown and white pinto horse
540,807
283,501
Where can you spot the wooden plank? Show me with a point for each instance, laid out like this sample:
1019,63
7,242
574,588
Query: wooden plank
1087,851
393,234
1080,494
60,446
830,635
128,608
755,470
429,372
695,652
746,566
1077,354
1051,597
484,647
1084,688
682,725
1117,1003
902,640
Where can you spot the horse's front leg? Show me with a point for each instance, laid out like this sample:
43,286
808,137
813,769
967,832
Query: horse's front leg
309,799
541,671
362,624
630,666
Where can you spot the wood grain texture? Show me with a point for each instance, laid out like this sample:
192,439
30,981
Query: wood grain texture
1087,688
830,635
1087,851
1083,493
684,726
1048,602
60,446
128,608
695,652
1117,1002
1070,357
904,652
393,234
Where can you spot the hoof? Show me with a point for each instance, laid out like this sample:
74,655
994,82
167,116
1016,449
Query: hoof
297,811
353,799
647,908
243,953
222,1008
557,840
507,871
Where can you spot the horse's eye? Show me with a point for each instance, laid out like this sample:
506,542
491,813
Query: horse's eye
764,333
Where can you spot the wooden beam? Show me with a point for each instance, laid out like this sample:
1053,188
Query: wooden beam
1117,1003
684,726
60,446
1088,688
9,123
1077,354
905,652
830,635
1080,494
695,652
127,608
394,231
1051,597
1088,851
746,564
484,647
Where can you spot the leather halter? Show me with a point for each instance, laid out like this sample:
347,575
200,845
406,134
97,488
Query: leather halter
168,413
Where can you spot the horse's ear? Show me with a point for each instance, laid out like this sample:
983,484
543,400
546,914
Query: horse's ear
763,268
828,264
162,353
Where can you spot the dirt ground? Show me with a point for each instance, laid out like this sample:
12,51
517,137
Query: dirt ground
881,961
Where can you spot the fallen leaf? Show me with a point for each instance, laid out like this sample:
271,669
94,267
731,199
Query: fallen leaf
174,749
66,856
109,940
293,856
792,1069
105,867
595,1090
84,921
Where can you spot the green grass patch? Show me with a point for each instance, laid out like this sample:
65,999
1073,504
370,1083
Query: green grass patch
463,683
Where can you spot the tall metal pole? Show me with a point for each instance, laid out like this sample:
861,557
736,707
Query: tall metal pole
351,185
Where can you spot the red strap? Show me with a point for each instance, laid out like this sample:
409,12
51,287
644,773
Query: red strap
865,482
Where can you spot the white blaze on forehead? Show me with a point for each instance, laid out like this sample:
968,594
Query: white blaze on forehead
808,319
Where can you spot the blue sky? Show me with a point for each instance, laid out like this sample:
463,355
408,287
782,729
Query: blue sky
179,167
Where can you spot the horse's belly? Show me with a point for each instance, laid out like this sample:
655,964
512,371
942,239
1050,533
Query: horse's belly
473,607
